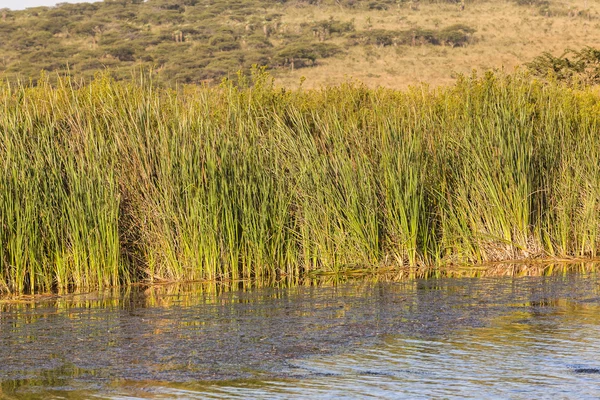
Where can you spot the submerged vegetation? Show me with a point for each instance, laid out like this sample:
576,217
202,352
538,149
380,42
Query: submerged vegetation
115,182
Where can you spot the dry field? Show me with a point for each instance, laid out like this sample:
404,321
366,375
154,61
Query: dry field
507,36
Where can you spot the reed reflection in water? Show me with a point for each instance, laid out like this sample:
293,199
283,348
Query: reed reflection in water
527,337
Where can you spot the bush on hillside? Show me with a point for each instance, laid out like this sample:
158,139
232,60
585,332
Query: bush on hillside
456,35
572,66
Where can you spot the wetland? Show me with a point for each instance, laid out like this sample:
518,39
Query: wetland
497,337
114,194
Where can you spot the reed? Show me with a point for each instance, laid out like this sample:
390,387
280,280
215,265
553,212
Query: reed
108,183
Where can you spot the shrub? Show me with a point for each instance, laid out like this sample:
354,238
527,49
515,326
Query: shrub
326,50
456,35
572,66
224,42
123,53
375,5
331,26
378,37
258,41
298,51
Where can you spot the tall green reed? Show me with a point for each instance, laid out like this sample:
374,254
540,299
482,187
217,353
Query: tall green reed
109,182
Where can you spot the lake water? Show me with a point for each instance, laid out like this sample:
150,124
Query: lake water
527,337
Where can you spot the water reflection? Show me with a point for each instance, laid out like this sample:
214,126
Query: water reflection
541,357
506,337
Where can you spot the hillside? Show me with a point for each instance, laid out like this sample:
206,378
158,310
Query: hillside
380,42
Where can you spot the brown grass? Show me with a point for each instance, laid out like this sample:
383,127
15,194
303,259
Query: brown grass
507,36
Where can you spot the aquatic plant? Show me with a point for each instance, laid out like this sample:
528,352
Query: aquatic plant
107,183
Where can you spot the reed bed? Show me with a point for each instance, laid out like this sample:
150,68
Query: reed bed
108,183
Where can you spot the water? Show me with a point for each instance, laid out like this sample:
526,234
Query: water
529,337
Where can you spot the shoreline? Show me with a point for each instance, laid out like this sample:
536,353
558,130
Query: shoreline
496,269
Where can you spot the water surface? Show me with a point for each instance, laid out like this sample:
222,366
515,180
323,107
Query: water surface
528,337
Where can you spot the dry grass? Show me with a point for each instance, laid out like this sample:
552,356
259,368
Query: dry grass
507,36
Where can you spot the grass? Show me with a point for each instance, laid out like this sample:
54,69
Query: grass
325,41
109,183
507,36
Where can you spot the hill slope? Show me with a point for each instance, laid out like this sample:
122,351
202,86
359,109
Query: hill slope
380,42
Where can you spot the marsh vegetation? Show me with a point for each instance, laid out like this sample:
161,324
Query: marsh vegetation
116,182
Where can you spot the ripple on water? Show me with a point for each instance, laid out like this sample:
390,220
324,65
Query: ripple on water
448,338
